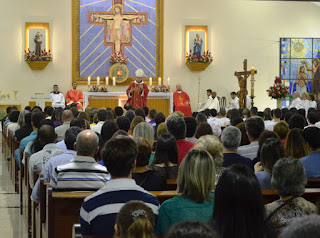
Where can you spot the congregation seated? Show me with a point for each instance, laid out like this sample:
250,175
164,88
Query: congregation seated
238,196
312,119
231,138
47,138
262,138
311,162
191,229
271,151
222,120
296,146
177,127
297,121
120,189
196,181
191,126
254,127
145,177
140,112
83,173
307,227
25,127
203,129
244,136
84,116
103,115
282,130
118,111
135,220
130,114
162,128
166,156
144,130
107,131
123,123
289,180
12,125
136,120
276,119
158,119
62,159
66,118
56,117
212,144
201,118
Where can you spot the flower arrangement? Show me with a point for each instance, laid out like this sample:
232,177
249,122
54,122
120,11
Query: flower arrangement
93,88
194,58
31,56
278,90
118,58
162,89
103,89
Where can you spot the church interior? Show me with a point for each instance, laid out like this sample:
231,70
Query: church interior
236,31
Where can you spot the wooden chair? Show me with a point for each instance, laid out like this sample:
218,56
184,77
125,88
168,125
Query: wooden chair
223,103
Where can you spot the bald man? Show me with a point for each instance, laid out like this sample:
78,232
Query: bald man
181,101
296,102
67,117
83,173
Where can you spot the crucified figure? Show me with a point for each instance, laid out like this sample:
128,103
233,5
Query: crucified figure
242,81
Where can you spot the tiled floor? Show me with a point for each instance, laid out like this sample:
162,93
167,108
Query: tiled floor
12,224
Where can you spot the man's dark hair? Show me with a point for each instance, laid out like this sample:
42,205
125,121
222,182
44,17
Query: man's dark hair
123,123
118,160
28,108
78,122
209,90
8,109
47,134
311,136
176,127
46,122
48,110
14,116
206,112
266,115
71,136
127,106
130,114
233,93
254,111
140,112
293,110
118,111
102,115
213,112
36,118
302,112
288,116
108,129
159,118
153,113
297,121
27,118
37,107
191,126
313,117
277,113
146,111
255,126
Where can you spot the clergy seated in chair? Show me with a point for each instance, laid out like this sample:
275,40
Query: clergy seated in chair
177,127
181,101
74,95
120,189
83,173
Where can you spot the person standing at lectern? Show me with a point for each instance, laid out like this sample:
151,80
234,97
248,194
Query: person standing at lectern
74,95
138,91
181,101
57,98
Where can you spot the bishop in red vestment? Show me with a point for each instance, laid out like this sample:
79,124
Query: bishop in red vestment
138,91
181,101
74,95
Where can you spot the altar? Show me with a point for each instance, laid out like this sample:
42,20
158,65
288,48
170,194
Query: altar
162,102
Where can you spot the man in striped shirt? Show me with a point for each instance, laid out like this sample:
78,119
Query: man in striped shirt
99,211
83,173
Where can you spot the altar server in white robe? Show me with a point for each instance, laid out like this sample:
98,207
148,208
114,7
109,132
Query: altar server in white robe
234,103
57,98
248,102
296,103
312,102
211,103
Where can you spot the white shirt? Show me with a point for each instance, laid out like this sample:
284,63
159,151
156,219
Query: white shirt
270,125
313,104
215,104
249,100
296,103
57,100
97,128
234,104
223,122
203,106
318,124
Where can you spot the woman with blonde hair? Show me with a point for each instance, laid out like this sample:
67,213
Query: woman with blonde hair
134,123
162,128
144,130
196,181
84,116
295,146
135,220
213,145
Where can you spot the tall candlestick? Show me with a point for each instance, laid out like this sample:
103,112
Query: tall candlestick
107,81
98,81
114,81
252,82
252,72
150,81
159,81
89,79
168,81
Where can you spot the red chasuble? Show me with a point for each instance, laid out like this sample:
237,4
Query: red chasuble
75,96
138,97
180,100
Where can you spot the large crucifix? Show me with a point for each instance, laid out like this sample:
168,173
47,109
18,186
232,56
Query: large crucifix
242,80
118,25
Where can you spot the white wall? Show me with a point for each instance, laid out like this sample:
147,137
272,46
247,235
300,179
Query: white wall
237,29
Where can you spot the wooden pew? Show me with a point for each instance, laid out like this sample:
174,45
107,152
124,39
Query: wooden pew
21,181
172,184
36,175
310,194
313,183
15,146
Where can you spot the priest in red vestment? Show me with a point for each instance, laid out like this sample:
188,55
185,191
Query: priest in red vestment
181,101
74,95
138,91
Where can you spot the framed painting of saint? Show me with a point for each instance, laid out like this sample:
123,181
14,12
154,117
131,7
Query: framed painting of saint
129,28
196,39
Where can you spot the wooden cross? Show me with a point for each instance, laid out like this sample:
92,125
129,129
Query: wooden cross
242,80
118,25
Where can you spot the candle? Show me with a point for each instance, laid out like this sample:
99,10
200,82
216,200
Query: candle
252,72
159,81
150,81
107,81
89,79
168,81
98,81
114,81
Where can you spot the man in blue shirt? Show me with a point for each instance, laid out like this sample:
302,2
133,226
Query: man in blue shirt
311,163
36,118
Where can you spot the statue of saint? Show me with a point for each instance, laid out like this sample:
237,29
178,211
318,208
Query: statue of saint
197,45
38,41
243,89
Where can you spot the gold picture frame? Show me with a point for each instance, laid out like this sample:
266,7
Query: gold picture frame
191,32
